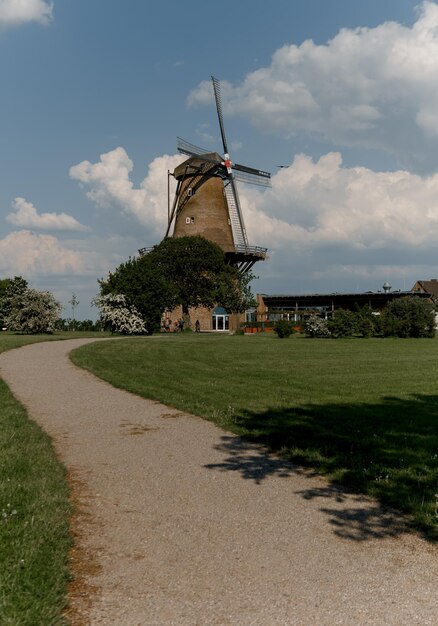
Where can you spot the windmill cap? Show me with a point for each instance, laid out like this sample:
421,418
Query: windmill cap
193,163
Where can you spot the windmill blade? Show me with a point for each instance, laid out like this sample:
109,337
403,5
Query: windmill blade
251,175
251,170
189,148
217,97
174,207
235,213
244,177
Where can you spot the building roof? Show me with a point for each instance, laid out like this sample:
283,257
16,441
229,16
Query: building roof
428,286
373,299
193,165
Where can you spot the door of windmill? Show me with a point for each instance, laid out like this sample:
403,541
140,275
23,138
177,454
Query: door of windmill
221,319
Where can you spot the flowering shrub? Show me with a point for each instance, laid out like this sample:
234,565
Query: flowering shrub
118,316
33,311
315,326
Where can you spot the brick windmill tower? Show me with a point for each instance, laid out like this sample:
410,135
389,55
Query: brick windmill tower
206,200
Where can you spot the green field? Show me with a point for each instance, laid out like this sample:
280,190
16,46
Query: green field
34,512
362,411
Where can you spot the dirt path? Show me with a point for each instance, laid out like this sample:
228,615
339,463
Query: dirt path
180,523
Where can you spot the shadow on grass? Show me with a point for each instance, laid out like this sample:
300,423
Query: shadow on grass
387,450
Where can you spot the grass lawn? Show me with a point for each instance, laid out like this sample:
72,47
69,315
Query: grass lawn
362,411
34,512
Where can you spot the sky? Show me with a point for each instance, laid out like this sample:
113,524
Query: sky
338,100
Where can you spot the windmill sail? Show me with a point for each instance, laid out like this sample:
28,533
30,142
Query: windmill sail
234,210
237,226
217,97
251,175
190,149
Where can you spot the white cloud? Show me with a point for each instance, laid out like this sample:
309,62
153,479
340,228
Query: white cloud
63,267
311,205
109,185
367,87
319,218
25,215
329,228
15,12
25,253
319,204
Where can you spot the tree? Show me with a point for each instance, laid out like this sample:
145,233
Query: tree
11,293
27,310
4,283
198,275
409,317
234,291
342,324
367,323
74,303
65,324
33,312
143,288
186,271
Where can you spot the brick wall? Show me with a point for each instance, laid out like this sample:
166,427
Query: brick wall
204,315
206,214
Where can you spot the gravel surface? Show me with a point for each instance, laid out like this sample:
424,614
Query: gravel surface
179,522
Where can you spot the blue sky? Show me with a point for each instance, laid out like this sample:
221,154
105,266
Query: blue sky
344,93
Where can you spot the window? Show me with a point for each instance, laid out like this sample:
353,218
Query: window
251,315
221,320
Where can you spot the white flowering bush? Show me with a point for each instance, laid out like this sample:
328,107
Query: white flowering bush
33,311
315,326
117,315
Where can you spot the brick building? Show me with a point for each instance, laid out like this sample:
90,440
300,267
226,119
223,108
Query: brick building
427,286
295,306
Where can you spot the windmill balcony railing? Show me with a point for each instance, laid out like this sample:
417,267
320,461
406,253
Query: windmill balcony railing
143,251
253,250
250,250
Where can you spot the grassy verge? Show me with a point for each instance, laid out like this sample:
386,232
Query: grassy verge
34,512
363,412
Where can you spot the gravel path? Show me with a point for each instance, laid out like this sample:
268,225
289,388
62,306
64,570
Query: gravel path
181,523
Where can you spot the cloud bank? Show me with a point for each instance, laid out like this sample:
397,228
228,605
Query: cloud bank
26,216
28,254
108,185
374,88
16,12
313,205
322,203
330,226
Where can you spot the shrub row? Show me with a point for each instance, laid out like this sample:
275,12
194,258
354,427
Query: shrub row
406,317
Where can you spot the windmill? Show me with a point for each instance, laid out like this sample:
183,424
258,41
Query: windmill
206,200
